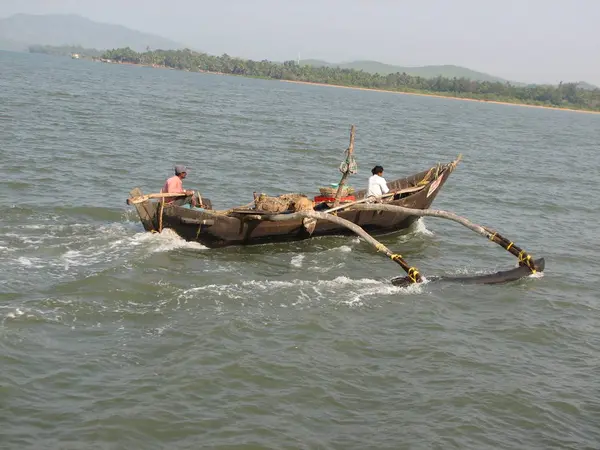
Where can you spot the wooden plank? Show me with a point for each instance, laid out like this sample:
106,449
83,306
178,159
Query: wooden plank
193,221
410,189
144,209
143,198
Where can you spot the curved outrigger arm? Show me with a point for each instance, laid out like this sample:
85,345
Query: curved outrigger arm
413,274
525,258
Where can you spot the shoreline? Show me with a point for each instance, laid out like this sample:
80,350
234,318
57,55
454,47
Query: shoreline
450,97
420,94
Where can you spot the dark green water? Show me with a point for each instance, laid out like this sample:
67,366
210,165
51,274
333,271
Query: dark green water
115,339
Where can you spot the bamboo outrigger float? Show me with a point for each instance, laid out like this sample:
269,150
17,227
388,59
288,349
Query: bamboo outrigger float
408,200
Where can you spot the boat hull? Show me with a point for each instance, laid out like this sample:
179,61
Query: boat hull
215,230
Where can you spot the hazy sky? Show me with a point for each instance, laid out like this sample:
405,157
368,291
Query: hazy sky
521,40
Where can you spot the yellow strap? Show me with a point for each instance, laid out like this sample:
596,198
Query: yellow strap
527,261
412,274
492,236
396,256
380,247
509,246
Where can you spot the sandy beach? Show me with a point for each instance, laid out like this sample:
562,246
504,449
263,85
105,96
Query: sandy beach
445,97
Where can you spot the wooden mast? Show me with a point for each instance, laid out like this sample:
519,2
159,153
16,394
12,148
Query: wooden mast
345,175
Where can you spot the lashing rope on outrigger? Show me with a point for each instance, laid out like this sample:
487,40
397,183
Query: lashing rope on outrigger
524,258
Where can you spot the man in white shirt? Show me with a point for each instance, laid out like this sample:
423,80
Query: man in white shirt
377,184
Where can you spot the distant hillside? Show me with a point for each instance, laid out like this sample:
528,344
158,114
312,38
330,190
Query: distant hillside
447,71
22,30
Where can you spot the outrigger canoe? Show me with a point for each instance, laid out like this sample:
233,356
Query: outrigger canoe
243,226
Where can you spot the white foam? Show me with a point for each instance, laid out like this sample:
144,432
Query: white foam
419,227
165,241
328,268
353,292
35,227
383,289
25,261
297,260
25,239
343,249
83,258
14,314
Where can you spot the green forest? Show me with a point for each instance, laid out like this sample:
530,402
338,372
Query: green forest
64,50
565,95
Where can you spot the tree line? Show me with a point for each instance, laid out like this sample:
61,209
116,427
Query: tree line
64,50
566,95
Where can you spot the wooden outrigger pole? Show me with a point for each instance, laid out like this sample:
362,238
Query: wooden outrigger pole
413,274
525,258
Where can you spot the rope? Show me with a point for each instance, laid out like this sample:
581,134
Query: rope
160,217
526,259
426,179
413,274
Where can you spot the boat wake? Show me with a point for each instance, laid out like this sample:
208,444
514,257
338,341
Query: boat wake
50,248
419,228
250,298
165,241
299,293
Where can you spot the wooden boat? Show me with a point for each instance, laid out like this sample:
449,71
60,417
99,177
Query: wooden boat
243,226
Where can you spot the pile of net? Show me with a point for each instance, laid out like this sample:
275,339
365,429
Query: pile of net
283,203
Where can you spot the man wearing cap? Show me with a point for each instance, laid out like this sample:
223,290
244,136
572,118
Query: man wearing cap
175,183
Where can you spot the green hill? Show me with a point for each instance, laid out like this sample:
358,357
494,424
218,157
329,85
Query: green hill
22,30
447,71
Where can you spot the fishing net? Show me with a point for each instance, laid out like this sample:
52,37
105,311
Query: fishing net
349,165
283,203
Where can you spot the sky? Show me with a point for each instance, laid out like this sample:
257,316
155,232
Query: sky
528,40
